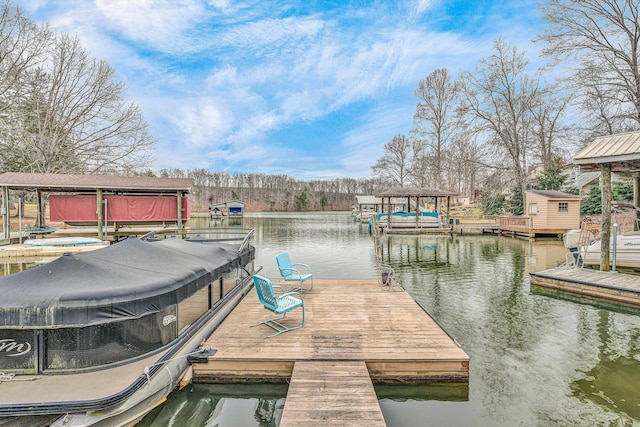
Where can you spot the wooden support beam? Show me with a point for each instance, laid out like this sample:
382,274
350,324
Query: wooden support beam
99,212
6,222
40,211
605,241
179,198
636,201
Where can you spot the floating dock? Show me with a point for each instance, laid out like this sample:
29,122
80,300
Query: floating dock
351,327
476,227
28,251
612,286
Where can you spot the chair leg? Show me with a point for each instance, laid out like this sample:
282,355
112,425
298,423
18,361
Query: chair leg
306,289
279,327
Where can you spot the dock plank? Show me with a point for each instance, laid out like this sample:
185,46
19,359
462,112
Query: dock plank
331,394
346,320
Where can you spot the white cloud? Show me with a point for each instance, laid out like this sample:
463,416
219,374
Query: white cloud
216,78
203,122
161,24
364,144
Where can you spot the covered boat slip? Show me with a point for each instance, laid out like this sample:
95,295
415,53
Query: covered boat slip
86,332
345,320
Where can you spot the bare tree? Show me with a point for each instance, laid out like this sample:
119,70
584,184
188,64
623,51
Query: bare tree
500,96
601,39
547,114
67,113
394,165
22,46
436,124
79,120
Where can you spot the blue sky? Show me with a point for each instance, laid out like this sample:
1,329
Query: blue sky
312,89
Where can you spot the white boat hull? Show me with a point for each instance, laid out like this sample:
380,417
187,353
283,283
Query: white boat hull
64,241
627,251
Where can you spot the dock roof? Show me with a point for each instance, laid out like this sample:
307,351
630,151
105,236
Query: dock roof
556,195
621,150
416,192
66,182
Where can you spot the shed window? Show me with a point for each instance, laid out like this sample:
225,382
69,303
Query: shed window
563,207
533,208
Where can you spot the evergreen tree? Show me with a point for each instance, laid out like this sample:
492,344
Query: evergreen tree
516,201
592,204
301,201
492,203
552,176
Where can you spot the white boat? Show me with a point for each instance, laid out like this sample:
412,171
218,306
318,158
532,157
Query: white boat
64,241
408,220
627,253
101,338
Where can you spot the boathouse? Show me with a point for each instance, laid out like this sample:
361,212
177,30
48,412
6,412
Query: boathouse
549,213
100,200
609,154
431,210
230,208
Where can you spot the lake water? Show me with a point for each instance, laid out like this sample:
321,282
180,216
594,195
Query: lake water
537,358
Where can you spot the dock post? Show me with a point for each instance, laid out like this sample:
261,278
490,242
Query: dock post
605,241
99,212
179,198
6,224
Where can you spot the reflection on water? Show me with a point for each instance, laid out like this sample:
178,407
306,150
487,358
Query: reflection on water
537,358
9,266
334,245
221,405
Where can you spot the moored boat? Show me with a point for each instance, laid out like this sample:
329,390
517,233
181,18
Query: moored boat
627,251
409,220
100,338
64,241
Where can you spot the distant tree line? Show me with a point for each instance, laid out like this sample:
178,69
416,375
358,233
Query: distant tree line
262,192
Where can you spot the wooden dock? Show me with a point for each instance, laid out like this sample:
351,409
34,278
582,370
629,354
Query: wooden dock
416,231
28,251
331,394
476,227
349,324
612,286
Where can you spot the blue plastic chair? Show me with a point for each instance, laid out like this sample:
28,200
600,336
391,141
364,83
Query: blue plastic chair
291,274
277,304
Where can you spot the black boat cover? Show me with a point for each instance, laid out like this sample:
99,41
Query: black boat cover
123,281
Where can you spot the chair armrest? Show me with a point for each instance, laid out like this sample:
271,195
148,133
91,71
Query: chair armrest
277,287
303,265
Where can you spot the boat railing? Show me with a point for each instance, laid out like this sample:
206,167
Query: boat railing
243,236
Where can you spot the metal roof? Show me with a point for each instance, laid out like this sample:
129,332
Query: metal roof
368,200
64,182
556,195
621,150
416,192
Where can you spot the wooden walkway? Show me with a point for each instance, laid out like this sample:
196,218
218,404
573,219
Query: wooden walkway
331,394
476,227
618,287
